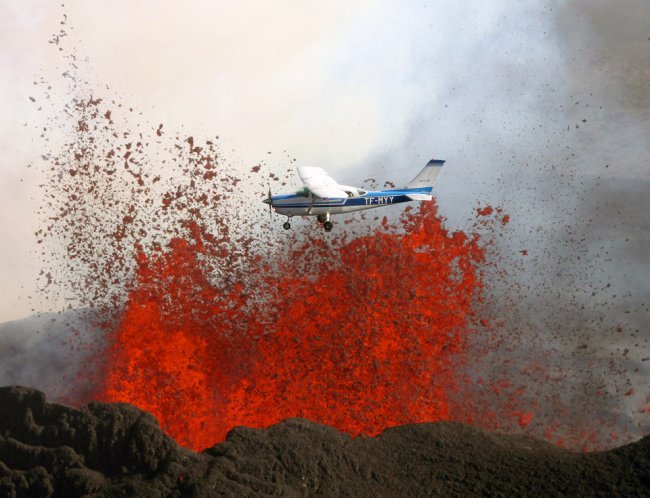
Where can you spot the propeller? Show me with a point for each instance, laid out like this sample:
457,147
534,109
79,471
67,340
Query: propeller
269,201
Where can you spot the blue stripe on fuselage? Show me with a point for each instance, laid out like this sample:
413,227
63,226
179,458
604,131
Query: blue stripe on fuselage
373,198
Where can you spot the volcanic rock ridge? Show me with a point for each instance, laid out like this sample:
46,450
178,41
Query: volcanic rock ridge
103,449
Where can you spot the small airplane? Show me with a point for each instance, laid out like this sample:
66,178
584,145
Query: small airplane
322,196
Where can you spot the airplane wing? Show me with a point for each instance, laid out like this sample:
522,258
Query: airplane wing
320,183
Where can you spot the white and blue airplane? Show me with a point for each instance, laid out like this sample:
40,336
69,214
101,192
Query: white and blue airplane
322,196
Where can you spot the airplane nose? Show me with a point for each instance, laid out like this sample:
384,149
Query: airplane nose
267,201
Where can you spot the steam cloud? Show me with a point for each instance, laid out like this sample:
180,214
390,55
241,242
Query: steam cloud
551,121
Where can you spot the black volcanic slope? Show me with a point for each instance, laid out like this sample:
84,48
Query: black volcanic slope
117,450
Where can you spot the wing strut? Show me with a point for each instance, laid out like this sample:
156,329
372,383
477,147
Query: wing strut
311,205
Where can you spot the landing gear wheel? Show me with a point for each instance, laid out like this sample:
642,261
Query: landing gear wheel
322,218
286,225
328,226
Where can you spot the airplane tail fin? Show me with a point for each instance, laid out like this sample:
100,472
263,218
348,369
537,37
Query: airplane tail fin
427,177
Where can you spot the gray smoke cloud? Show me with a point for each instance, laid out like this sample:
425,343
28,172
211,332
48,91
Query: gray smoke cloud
559,135
50,352
549,117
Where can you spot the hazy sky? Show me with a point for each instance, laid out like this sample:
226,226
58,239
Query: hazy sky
539,106
353,87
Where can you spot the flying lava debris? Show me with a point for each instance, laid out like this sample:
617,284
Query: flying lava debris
214,318
215,323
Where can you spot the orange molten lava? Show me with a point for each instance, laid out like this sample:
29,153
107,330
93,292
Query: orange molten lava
367,340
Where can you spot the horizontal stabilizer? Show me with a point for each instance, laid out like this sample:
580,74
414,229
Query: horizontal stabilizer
419,197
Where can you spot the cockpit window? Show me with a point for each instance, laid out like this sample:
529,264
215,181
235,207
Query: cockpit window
355,192
303,192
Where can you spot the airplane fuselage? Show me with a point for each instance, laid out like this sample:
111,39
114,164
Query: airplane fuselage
297,205
322,196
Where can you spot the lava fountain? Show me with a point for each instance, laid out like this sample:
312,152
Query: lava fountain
368,340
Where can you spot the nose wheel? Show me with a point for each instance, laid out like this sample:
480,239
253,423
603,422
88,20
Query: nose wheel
328,226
